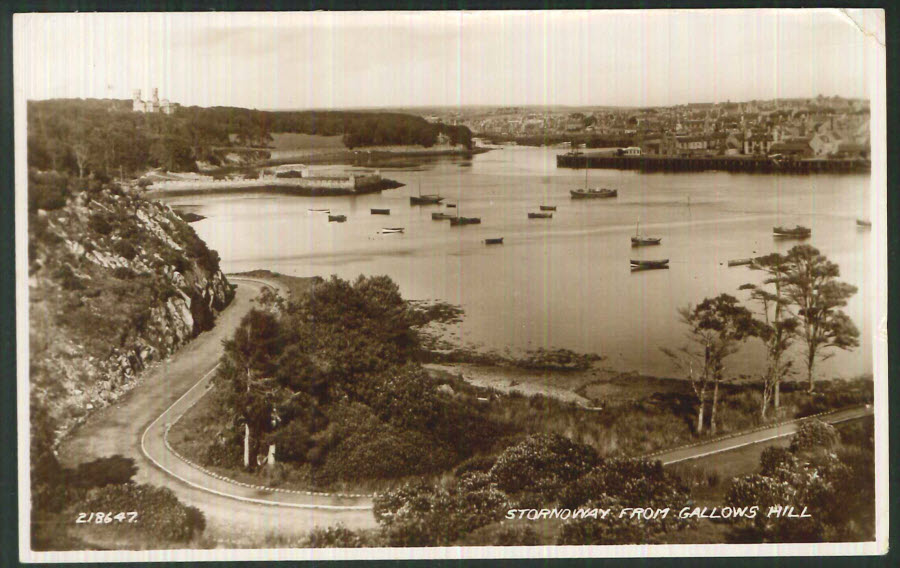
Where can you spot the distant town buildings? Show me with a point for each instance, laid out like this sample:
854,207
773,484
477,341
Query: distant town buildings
820,127
153,105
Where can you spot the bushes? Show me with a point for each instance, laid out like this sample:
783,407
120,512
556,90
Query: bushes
114,470
337,536
516,535
100,223
125,249
814,434
47,191
419,514
543,460
161,516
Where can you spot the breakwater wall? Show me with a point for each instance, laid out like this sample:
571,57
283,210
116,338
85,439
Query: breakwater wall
725,163
350,185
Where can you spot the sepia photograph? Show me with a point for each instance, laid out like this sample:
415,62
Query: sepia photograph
451,284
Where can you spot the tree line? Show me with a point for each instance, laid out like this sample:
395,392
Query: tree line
799,302
105,138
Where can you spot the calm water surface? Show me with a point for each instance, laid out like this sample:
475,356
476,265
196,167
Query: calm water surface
562,282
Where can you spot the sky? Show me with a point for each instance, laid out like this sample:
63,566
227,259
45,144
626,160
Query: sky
401,59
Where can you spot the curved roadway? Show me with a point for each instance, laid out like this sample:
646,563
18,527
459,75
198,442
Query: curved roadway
245,516
135,426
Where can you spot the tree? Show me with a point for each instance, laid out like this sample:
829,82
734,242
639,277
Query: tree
777,328
248,366
813,287
716,329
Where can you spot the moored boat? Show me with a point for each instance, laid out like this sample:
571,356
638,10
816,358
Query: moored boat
548,207
863,223
381,211
496,241
798,232
593,193
450,204
425,199
455,221
740,261
540,215
319,210
640,241
442,216
337,218
649,264
389,230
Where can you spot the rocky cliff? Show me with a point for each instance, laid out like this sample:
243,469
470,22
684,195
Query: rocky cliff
115,283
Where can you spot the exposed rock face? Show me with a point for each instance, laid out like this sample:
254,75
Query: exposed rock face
115,283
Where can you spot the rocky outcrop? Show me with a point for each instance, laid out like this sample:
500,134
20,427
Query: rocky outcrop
116,282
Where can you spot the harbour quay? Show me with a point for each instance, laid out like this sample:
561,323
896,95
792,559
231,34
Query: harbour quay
711,163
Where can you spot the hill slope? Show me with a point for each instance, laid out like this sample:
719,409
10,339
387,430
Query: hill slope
115,282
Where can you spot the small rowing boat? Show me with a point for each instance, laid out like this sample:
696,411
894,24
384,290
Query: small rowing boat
337,218
450,204
425,199
649,264
740,261
548,207
798,232
540,215
319,210
863,223
497,241
441,216
455,221
391,230
381,211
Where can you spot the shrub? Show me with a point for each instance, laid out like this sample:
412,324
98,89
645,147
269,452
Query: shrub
773,458
337,536
814,434
419,514
47,191
125,249
100,223
481,464
67,279
548,460
161,516
516,535
113,470
123,273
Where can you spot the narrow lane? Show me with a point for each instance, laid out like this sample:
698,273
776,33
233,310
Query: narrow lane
236,514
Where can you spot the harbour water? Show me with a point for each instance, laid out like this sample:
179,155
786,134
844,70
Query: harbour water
563,282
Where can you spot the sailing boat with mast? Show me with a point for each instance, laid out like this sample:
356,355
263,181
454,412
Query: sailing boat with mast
641,241
590,193
427,199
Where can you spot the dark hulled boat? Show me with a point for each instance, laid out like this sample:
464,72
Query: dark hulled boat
798,232
455,221
593,193
548,207
540,215
425,199
442,216
381,211
649,264
497,241
337,218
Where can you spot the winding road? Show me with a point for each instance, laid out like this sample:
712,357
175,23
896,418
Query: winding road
135,426
239,515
